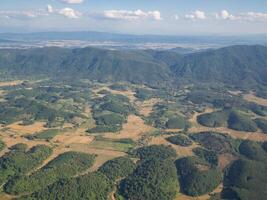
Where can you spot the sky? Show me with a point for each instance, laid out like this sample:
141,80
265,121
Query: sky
164,17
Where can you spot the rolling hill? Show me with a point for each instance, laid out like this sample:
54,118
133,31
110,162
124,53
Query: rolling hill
240,66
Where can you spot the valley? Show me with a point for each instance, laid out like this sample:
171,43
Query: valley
116,133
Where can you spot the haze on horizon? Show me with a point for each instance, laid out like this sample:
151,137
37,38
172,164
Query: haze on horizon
172,17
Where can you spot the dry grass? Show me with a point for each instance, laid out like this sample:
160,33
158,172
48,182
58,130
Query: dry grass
4,196
29,129
103,155
68,139
225,159
252,98
134,129
11,83
128,93
180,150
146,107
10,138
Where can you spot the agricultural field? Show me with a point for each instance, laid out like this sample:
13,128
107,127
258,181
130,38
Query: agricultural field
112,141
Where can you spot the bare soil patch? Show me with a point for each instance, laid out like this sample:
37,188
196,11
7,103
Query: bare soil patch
146,107
134,129
29,129
11,83
103,155
180,150
130,94
252,98
225,159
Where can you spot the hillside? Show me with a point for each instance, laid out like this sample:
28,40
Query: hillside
240,66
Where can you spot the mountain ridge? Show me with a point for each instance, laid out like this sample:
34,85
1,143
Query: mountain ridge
242,66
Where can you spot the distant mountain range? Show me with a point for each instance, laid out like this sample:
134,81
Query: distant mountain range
241,66
42,39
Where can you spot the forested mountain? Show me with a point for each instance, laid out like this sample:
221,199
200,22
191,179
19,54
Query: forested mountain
241,66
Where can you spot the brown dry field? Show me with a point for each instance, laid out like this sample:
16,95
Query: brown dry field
11,137
11,83
4,196
103,155
128,93
29,129
146,107
252,98
180,150
225,159
134,129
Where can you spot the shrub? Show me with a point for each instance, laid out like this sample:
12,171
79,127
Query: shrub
180,139
117,107
177,122
2,145
252,150
109,119
104,129
209,156
118,86
262,124
217,142
158,151
144,94
214,119
43,135
241,122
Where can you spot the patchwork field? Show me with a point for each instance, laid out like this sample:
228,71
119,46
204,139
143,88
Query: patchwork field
124,126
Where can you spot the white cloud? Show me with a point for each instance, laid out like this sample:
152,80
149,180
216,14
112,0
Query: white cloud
130,15
248,16
224,14
176,17
69,13
49,9
72,1
198,14
24,14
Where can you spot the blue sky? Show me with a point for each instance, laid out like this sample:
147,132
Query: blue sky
173,17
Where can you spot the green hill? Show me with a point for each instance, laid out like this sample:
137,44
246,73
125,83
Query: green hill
241,66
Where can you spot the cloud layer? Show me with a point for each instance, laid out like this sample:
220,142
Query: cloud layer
223,15
130,15
72,1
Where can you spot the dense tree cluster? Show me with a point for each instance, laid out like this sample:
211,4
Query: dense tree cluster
180,139
110,112
94,186
117,168
196,176
64,166
19,160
